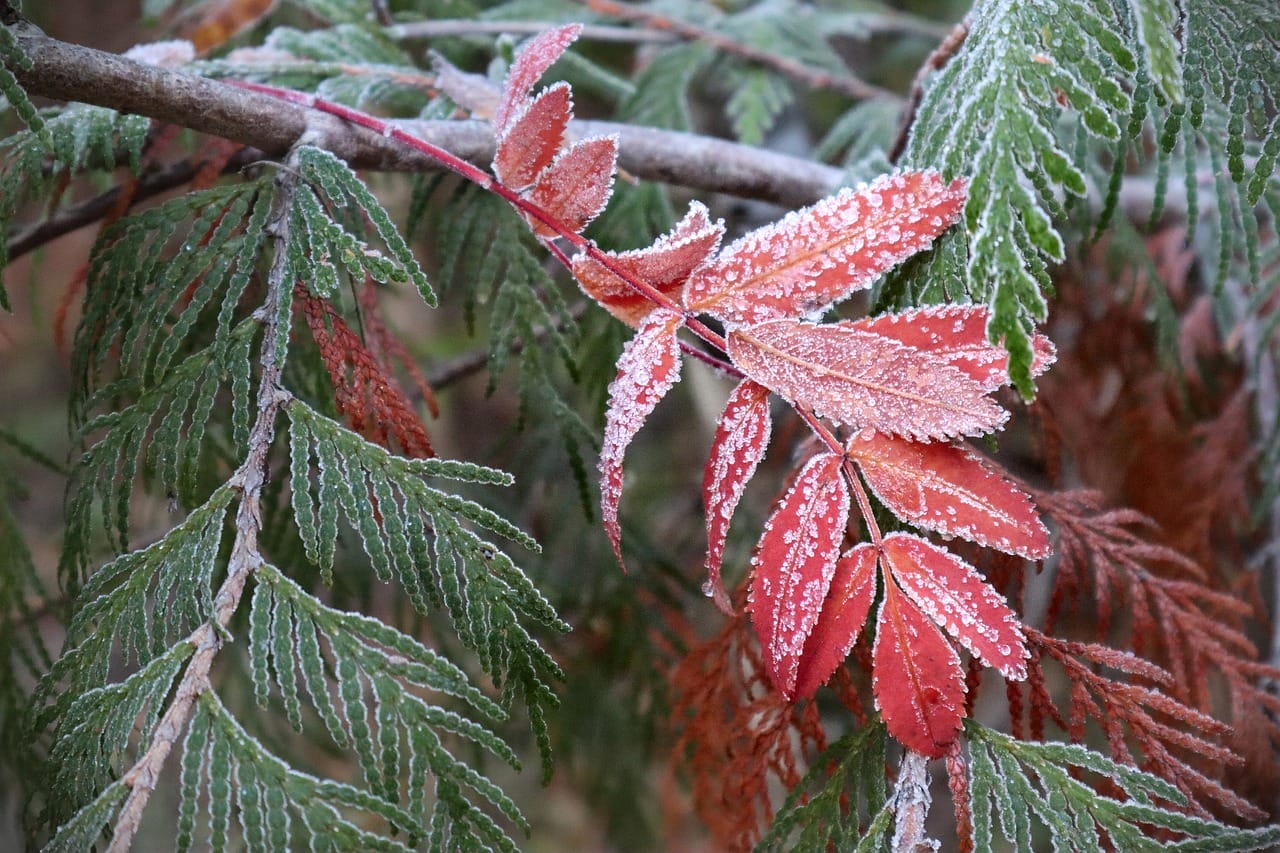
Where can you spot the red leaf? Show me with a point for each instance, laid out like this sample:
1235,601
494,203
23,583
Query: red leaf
648,367
536,56
793,565
819,255
860,379
918,684
957,334
853,590
958,598
950,489
742,435
577,184
534,138
665,265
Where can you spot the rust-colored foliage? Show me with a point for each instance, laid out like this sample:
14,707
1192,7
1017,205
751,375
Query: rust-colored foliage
365,389
737,735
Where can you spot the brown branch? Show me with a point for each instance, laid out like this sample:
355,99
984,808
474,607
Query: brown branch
814,78
910,803
69,72
245,557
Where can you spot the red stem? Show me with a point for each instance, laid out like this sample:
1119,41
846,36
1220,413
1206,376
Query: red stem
486,181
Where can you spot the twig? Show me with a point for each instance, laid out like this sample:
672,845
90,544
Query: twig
245,557
911,801
941,55
436,29
813,78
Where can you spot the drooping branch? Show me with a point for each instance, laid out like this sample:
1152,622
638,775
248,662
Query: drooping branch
245,557
68,72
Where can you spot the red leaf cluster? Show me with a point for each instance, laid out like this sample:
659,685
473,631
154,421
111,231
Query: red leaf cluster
570,182
903,386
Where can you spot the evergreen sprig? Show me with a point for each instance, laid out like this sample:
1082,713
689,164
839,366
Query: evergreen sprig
1027,784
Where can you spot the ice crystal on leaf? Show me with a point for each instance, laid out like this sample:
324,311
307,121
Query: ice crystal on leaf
815,257
950,489
665,266
648,368
849,600
860,379
534,138
577,184
742,436
918,685
794,564
538,54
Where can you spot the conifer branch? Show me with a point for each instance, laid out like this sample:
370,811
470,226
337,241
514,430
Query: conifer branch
245,556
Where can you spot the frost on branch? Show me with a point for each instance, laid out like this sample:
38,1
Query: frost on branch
815,257
648,368
859,379
794,564
664,266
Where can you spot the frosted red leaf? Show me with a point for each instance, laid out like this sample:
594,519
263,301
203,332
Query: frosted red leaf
817,256
742,435
860,379
577,184
665,266
950,489
917,682
793,565
849,600
956,596
536,56
957,334
648,367
534,138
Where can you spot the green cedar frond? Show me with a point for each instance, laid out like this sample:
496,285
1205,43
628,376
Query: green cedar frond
661,98
14,96
993,113
1028,784
228,775
1155,30
96,730
847,810
424,537
145,600
865,130
61,145
758,98
1232,60
343,190
374,661
102,482
155,276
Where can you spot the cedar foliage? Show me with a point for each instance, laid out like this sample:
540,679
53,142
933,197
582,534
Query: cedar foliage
237,357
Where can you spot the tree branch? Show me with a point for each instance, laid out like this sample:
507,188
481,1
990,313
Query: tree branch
245,557
69,72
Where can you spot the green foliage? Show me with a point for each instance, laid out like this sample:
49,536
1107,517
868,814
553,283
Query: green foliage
1028,784
842,801
993,113
58,146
